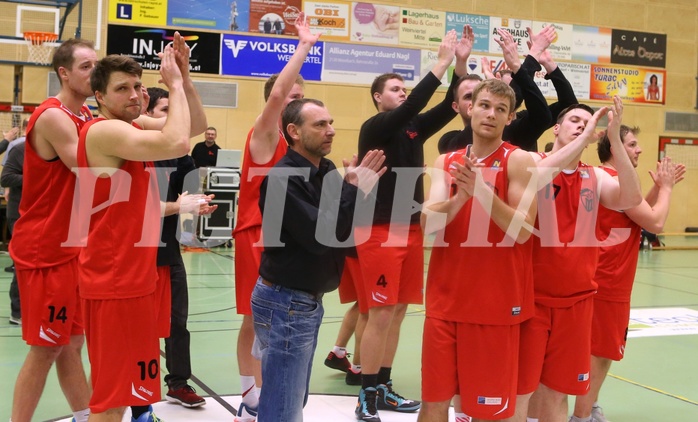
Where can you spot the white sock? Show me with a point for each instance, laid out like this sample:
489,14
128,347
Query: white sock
462,417
81,415
355,368
250,394
340,352
531,419
576,419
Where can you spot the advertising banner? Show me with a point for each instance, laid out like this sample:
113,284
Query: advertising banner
632,84
221,15
274,16
561,47
517,29
591,44
422,27
479,23
638,48
359,64
330,18
150,12
143,44
244,55
578,74
374,23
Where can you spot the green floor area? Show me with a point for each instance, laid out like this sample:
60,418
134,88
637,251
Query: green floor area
657,381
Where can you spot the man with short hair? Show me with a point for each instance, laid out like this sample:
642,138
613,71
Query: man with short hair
393,273
489,308
46,269
264,147
615,272
118,267
205,153
303,254
553,363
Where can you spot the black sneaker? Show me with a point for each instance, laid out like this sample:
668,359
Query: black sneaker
366,406
10,269
388,399
340,364
353,378
15,320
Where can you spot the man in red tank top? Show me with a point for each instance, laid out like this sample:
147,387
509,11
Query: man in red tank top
552,362
264,147
479,271
46,270
615,272
117,267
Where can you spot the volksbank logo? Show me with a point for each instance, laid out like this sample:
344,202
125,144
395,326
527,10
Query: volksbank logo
236,46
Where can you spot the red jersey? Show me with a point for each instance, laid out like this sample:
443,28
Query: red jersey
489,281
248,202
565,252
47,202
119,260
615,273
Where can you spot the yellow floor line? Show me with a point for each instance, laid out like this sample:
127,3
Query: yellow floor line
656,390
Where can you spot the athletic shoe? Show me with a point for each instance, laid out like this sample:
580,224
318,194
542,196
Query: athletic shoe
340,364
366,406
353,378
246,413
186,396
597,414
147,416
15,320
10,269
388,399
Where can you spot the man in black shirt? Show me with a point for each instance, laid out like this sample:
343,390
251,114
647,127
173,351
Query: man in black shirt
304,253
538,117
205,153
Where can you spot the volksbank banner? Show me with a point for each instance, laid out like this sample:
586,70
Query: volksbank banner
243,55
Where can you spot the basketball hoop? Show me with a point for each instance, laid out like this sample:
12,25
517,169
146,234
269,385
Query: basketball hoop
39,47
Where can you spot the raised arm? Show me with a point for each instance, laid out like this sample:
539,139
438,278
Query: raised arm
565,92
463,49
266,128
567,154
652,217
625,192
447,50
196,112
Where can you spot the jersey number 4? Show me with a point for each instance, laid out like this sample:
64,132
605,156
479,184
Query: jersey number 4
382,282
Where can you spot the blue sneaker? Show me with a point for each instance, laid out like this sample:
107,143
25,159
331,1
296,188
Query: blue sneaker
366,406
147,416
246,413
388,399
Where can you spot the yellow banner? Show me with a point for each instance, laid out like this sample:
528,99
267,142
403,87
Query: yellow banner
146,12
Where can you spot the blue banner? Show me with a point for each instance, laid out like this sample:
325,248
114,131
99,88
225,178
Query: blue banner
479,23
243,55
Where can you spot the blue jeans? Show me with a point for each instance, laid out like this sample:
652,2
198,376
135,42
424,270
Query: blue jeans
286,325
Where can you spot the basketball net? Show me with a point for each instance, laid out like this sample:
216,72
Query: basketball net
39,47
